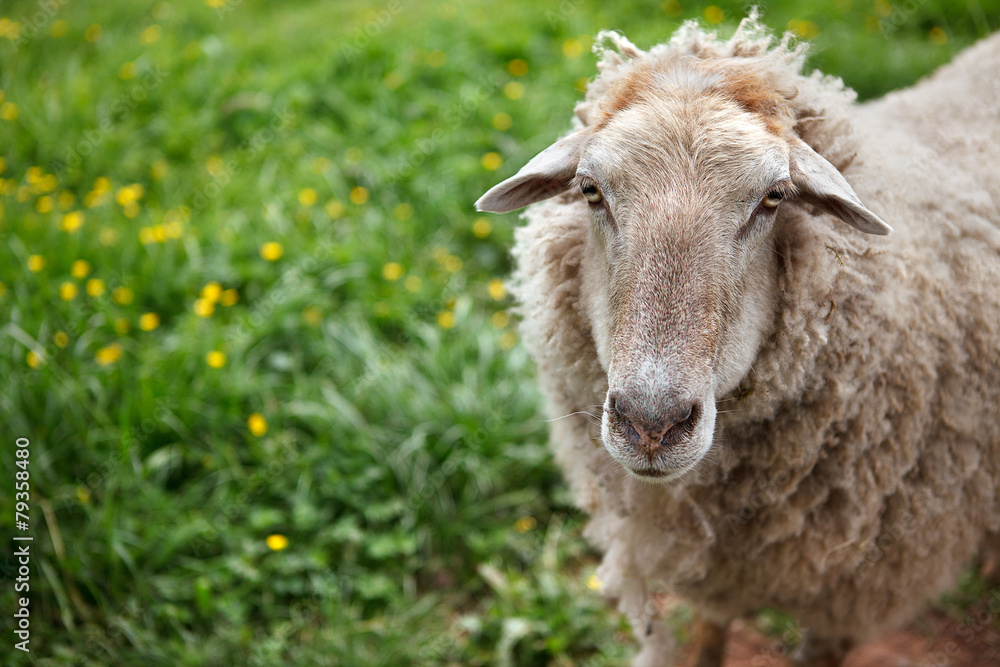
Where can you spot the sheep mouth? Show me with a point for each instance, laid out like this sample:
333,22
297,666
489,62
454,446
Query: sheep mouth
654,475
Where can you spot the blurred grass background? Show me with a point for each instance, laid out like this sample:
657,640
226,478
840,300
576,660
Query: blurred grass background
258,337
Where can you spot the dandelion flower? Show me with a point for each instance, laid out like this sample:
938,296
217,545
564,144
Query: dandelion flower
307,196
525,523
359,195
496,289
593,583
8,111
276,542
215,359
572,48
334,209
272,251
67,291
312,316
95,287
72,221
33,359
229,297
211,291
123,295
61,339
149,321
108,355
482,228
517,67
36,263
492,161
204,308
392,271
80,269
257,424
446,319
514,90
502,121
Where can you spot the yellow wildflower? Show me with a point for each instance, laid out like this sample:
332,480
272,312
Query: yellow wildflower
122,326
80,269
72,221
204,308
392,271
59,28
714,14
502,121
496,289
517,67
514,90
8,111
61,339
215,359
572,48
257,424
108,355
403,211
123,295
272,251
159,169
491,161
359,195
126,71
307,196
312,316
36,263
95,287
211,291
44,204
446,319
149,321
482,227
334,209
413,283
150,35
229,297
33,359
277,542
67,291
525,523
593,583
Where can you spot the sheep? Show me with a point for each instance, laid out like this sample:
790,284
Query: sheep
757,404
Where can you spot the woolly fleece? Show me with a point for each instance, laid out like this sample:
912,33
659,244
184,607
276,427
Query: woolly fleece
856,470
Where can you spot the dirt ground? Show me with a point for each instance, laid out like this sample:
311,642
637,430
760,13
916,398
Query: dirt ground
932,640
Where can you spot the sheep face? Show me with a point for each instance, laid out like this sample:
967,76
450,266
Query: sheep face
681,181
680,275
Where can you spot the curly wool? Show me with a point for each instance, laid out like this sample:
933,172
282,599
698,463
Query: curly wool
856,470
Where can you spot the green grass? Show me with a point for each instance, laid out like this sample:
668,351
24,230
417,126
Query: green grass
404,456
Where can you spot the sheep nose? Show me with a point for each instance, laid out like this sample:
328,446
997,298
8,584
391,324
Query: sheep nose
648,432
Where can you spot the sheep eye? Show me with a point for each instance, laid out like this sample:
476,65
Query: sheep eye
590,192
772,199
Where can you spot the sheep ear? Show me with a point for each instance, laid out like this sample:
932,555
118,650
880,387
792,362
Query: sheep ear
546,175
821,184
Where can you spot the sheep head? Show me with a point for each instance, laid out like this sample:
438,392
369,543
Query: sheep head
682,176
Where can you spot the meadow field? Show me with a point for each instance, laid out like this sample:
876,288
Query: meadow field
257,340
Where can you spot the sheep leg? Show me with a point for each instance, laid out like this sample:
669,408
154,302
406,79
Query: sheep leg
710,643
821,652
